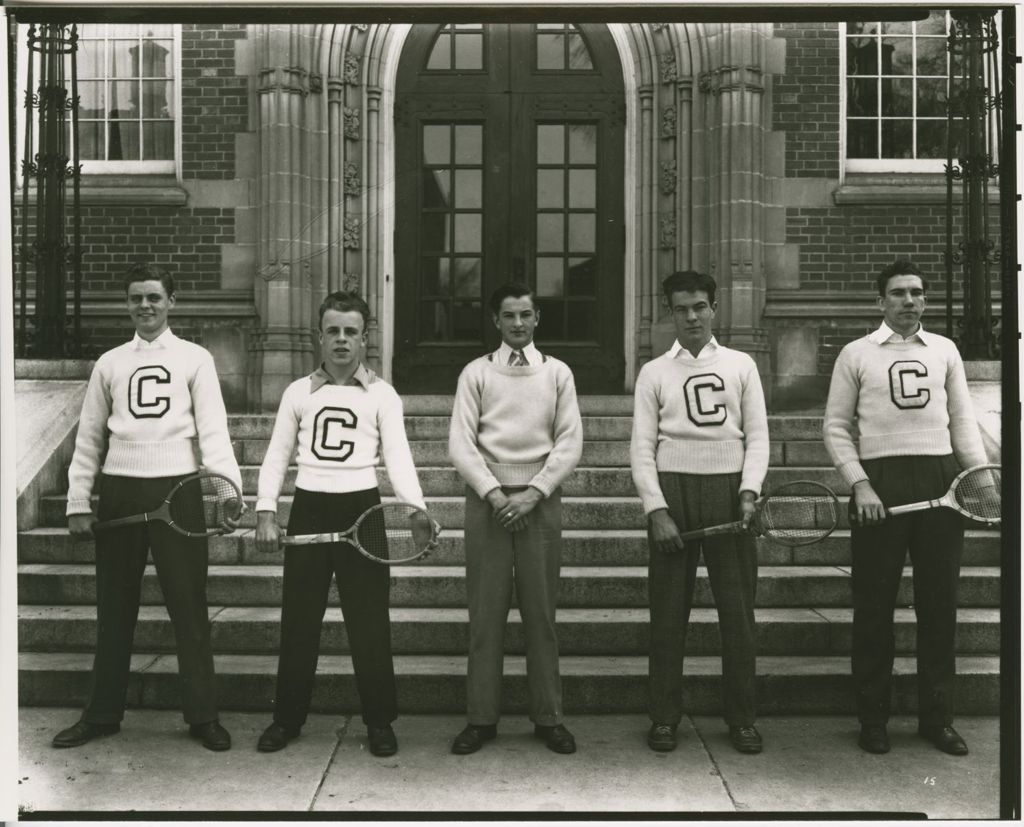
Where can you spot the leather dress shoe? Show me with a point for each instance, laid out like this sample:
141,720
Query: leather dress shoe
472,738
945,738
275,737
212,734
874,738
661,737
745,739
82,733
557,738
382,740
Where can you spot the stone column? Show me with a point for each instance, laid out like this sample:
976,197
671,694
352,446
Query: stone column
283,342
734,89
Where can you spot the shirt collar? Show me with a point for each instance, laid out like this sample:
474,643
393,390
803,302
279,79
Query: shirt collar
530,352
677,349
363,377
162,341
886,335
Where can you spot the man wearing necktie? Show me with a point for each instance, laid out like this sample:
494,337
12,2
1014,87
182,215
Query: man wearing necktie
516,434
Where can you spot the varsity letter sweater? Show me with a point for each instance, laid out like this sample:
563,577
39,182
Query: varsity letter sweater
342,431
698,416
908,397
515,426
146,407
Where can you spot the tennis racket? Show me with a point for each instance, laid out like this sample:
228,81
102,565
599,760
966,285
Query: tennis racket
796,513
196,507
975,493
388,533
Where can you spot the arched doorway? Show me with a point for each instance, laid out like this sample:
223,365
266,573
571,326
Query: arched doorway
509,161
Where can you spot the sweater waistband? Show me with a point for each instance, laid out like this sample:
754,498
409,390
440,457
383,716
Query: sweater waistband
933,442
515,473
694,456
129,458
336,480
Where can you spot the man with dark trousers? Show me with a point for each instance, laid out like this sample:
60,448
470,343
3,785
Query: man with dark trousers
149,404
344,419
699,455
516,434
907,390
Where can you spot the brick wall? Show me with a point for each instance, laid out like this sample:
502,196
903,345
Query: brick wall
805,100
214,101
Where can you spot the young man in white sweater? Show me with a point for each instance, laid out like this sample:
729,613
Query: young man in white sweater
516,434
699,455
149,404
906,389
343,418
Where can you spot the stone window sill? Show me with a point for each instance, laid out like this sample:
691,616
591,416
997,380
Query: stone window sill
126,190
899,189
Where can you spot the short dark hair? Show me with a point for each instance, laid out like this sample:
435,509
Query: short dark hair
345,302
147,271
689,281
900,267
510,290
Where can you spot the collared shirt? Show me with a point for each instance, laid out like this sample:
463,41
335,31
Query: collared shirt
677,351
320,377
164,340
531,353
886,335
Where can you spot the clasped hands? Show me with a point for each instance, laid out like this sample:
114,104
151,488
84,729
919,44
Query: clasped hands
511,510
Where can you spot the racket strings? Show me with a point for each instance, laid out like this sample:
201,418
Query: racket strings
204,502
978,492
799,514
394,532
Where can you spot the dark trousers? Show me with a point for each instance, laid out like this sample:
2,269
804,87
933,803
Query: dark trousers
696,501
181,568
935,540
497,560
363,588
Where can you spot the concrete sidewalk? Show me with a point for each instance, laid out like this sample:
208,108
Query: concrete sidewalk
810,764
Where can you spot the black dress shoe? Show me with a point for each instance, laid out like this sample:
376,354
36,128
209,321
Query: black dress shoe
275,737
661,737
745,739
382,740
557,738
874,738
945,738
82,733
212,734
472,738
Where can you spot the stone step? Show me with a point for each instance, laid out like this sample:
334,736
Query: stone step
444,586
781,428
256,630
598,513
440,481
580,547
594,684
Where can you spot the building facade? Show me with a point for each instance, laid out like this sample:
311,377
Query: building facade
423,164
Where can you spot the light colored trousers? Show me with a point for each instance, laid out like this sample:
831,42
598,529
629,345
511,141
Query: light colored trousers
495,560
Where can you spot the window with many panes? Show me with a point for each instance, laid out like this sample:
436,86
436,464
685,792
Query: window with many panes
894,90
129,96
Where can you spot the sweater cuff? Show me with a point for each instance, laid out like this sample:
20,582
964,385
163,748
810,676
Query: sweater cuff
266,504
852,472
652,504
77,506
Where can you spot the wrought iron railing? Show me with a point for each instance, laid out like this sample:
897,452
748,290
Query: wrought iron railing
50,235
973,137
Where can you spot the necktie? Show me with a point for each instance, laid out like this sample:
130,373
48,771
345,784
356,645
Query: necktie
517,359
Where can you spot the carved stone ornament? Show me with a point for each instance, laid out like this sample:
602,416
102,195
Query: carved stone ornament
351,123
657,27
668,122
352,183
667,239
705,82
668,177
669,74
350,282
351,72
351,234
360,27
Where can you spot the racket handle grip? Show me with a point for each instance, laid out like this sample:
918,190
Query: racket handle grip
912,507
120,521
728,528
